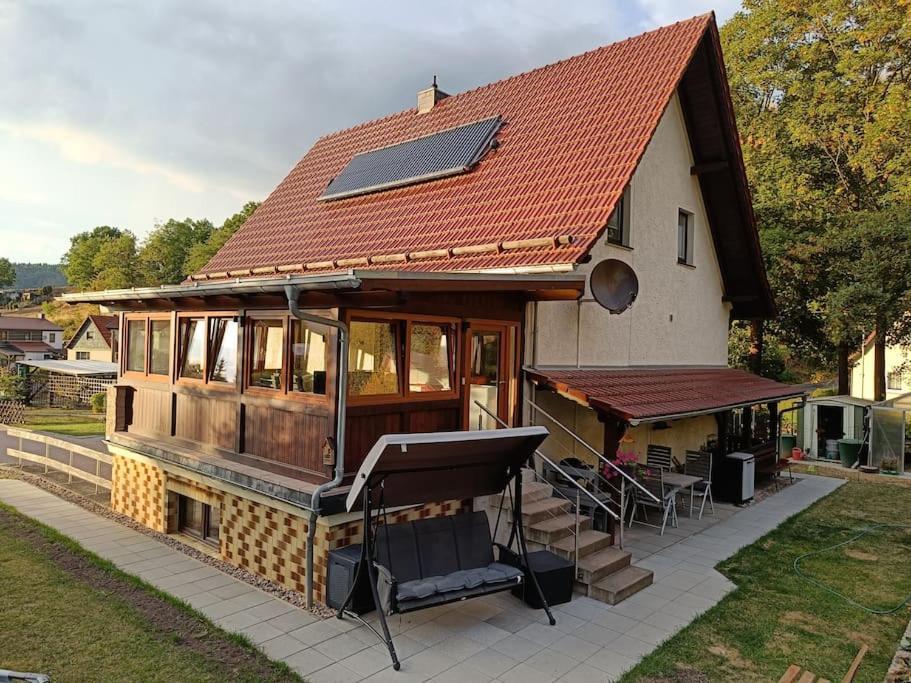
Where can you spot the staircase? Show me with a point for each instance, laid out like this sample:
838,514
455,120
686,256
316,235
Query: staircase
603,572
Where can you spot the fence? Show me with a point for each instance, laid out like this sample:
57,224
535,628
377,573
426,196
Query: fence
56,390
11,412
66,466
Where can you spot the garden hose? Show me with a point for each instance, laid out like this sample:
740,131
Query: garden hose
820,584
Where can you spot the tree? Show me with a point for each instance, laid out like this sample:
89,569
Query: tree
81,264
164,253
201,253
822,95
869,261
115,263
7,273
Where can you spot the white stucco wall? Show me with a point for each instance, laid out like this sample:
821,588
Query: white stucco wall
55,339
679,317
862,373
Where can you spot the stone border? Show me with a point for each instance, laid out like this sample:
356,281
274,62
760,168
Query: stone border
293,597
900,669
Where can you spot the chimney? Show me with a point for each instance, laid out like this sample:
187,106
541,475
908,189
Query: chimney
428,99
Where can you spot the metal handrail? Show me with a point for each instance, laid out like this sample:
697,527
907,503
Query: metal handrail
601,478
600,456
557,467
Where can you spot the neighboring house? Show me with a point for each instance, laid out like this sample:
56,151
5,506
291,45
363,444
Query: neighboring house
29,339
898,371
96,339
457,282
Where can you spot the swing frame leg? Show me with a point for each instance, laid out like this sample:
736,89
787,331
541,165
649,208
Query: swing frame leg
366,563
518,529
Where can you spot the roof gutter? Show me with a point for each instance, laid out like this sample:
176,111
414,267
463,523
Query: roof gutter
270,285
292,292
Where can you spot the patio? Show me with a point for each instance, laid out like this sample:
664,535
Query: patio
491,638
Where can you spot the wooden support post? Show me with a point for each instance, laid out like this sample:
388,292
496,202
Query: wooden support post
47,455
70,473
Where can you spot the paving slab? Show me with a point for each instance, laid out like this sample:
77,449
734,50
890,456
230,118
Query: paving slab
492,638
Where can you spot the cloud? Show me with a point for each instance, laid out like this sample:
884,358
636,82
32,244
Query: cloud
85,148
210,103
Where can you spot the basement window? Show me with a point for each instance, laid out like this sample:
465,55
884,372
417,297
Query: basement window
198,520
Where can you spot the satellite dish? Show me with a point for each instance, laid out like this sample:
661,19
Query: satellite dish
614,285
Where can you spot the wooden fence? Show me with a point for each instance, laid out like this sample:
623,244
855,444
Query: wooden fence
67,468
11,412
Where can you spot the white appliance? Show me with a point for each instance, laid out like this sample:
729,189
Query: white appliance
743,475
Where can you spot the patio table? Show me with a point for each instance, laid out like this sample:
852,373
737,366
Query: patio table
682,482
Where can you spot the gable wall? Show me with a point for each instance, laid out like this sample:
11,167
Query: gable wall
97,347
584,334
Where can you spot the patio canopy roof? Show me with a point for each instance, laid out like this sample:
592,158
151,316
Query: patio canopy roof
428,468
654,394
352,287
80,368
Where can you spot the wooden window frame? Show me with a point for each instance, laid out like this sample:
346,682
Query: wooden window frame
206,317
145,375
204,537
403,323
689,236
285,393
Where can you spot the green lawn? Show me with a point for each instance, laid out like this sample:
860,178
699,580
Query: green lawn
775,618
73,616
66,421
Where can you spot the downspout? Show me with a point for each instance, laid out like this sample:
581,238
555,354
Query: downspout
292,292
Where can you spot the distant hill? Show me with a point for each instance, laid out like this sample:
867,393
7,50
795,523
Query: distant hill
35,275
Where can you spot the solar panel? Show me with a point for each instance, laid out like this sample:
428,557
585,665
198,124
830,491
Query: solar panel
448,152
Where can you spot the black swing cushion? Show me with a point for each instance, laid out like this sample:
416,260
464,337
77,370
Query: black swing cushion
433,561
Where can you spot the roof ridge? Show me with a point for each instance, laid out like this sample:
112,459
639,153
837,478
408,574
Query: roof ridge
706,17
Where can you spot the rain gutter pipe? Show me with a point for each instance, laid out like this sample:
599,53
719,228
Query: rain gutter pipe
341,396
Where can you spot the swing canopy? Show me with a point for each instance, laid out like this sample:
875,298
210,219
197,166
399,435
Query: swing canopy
438,466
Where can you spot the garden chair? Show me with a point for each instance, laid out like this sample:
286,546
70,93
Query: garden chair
666,501
659,458
699,464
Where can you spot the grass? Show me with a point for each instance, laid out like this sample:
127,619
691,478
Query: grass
775,618
65,421
57,624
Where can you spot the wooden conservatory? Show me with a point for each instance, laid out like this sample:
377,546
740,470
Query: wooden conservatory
225,421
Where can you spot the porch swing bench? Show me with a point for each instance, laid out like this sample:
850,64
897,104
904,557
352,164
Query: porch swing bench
416,565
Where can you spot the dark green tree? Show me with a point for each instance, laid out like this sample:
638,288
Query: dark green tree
7,273
164,252
81,263
202,252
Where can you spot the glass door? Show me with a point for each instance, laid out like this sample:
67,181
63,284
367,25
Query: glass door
489,375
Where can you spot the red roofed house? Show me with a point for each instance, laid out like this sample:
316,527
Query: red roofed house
451,246
96,339
24,338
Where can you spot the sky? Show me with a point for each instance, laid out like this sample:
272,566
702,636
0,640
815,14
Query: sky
129,113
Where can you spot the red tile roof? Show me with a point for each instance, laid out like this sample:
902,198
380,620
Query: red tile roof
105,324
29,347
650,393
14,322
574,133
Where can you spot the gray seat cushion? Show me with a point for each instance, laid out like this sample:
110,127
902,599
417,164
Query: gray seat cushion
464,579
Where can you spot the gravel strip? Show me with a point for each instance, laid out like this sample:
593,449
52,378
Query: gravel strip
294,597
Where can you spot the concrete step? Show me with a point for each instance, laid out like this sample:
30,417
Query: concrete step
532,492
620,585
540,510
589,542
592,568
550,530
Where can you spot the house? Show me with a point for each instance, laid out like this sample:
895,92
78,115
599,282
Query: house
429,271
24,338
96,339
898,371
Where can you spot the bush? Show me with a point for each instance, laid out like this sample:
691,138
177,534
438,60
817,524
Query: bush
99,402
